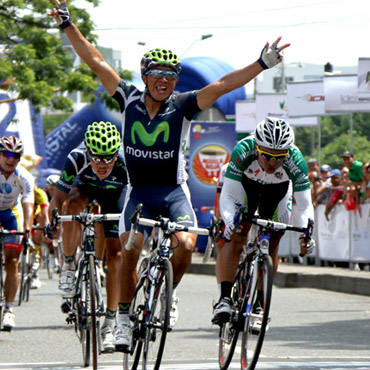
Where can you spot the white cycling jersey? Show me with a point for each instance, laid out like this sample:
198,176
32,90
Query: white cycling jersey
20,182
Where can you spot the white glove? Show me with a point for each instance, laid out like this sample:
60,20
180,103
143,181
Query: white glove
63,19
270,56
229,230
311,246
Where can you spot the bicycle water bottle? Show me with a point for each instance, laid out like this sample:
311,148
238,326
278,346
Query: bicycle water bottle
264,243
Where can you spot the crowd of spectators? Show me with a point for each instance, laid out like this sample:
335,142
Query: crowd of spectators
348,184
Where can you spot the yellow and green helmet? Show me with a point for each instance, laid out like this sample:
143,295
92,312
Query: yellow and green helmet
102,138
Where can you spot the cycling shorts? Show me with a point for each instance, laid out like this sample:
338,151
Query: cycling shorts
10,220
172,202
110,201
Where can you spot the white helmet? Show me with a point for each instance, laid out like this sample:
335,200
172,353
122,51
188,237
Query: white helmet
52,180
274,133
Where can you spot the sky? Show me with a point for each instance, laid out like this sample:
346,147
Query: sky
323,31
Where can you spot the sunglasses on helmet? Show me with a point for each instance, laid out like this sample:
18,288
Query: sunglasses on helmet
274,157
159,73
11,155
102,158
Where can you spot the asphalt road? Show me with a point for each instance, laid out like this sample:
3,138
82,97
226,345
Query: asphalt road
310,329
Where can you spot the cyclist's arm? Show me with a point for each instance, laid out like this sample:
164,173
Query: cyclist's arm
231,198
28,216
232,81
93,58
86,51
57,201
305,208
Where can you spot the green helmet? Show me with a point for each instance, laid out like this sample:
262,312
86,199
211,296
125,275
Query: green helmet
160,57
102,138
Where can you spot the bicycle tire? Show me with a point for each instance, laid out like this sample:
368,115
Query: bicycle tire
2,293
81,303
252,341
137,311
22,272
229,332
92,312
157,324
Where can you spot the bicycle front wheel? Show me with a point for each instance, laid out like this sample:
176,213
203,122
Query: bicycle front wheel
229,332
137,313
22,278
256,322
92,311
157,323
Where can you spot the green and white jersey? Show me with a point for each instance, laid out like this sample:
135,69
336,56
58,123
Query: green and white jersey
244,162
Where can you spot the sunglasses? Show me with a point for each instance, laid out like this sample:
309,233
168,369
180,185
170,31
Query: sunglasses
11,155
274,157
159,73
102,158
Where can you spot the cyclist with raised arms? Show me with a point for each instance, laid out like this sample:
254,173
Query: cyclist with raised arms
264,170
155,124
96,173
16,182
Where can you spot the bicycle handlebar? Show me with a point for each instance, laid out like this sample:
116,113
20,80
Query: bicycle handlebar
83,217
240,217
164,223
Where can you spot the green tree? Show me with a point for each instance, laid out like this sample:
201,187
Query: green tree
336,138
34,64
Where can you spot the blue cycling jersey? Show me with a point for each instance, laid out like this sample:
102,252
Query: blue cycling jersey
154,147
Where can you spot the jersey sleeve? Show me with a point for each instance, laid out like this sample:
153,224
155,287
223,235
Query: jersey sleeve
297,170
41,198
70,170
27,184
241,157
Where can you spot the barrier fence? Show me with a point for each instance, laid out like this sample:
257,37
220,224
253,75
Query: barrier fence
344,238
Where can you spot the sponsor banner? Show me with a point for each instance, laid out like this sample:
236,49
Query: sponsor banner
363,78
341,95
211,144
360,232
333,236
276,105
245,115
306,98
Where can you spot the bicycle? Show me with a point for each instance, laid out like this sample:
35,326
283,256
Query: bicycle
24,276
87,305
151,305
25,267
249,315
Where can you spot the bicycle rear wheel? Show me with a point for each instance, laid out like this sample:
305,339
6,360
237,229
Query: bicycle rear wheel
92,311
137,313
229,332
255,324
157,323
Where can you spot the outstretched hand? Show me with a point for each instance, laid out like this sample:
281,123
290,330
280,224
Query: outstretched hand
271,55
61,14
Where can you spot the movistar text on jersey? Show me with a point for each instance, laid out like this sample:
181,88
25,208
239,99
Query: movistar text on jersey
156,154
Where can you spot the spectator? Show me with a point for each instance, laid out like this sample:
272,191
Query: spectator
323,192
313,165
315,181
366,183
337,191
356,176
